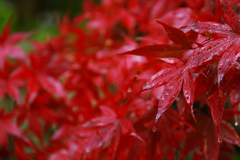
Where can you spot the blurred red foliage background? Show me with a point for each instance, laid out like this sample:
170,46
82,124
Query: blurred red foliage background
94,90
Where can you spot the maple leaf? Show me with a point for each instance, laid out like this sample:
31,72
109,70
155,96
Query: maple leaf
204,82
7,44
38,77
106,113
167,50
171,77
10,82
95,133
173,81
8,127
168,135
224,47
205,137
35,110
176,35
158,50
230,17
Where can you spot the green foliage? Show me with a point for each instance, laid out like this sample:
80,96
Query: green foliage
6,10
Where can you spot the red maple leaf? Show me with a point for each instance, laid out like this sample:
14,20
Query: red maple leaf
8,127
223,47
10,83
171,77
94,134
8,46
205,137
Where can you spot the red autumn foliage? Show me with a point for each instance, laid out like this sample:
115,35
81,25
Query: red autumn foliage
106,90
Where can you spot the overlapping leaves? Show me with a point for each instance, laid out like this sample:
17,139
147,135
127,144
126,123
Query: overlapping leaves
222,46
77,100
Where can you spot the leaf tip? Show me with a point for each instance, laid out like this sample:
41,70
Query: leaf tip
145,87
236,123
192,112
154,129
219,139
159,22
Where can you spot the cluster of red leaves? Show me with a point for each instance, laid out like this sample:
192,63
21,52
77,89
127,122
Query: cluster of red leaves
74,98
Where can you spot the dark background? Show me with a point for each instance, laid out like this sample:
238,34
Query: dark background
39,15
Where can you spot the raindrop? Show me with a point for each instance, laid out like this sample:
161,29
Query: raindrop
236,124
129,90
145,87
154,129
219,140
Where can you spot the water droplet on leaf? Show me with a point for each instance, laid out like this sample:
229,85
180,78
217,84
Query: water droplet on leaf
236,124
219,140
154,129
